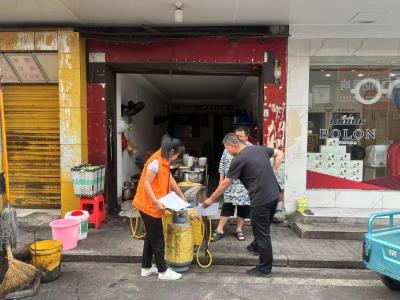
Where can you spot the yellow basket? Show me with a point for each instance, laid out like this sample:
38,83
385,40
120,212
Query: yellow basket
46,254
302,204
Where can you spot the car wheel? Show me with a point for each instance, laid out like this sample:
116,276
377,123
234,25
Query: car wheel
391,283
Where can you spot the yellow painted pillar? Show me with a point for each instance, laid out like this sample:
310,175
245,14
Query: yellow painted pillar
73,112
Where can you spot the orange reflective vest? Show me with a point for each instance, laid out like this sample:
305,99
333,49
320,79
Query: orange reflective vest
160,186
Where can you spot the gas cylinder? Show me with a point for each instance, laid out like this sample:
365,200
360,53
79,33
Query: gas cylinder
179,242
196,222
165,221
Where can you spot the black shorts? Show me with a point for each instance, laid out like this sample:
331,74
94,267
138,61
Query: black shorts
228,210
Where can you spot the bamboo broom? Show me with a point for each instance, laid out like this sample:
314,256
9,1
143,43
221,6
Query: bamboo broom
18,275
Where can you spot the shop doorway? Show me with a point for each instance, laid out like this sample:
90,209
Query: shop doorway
199,109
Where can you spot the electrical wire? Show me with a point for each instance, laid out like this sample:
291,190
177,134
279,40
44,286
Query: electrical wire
206,244
137,221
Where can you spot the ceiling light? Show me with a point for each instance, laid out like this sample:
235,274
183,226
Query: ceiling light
178,13
392,74
360,75
328,75
322,70
353,70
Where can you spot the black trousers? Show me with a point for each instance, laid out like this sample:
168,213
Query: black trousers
261,218
154,244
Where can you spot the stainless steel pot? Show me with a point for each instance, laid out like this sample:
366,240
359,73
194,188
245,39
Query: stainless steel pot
179,173
128,193
193,176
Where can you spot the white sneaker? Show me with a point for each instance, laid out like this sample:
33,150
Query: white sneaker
149,271
169,275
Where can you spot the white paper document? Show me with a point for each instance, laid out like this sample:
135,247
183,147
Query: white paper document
173,202
212,210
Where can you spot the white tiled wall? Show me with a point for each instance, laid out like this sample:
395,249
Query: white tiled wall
295,166
297,87
377,47
321,198
329,47
297,120
296,129
391,200
374,47
299,53
359,199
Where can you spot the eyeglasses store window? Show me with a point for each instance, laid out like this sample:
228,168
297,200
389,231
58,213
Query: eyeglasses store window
354,128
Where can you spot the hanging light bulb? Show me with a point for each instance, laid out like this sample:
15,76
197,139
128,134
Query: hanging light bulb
178,13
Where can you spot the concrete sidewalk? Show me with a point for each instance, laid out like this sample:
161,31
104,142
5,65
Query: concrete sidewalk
114,243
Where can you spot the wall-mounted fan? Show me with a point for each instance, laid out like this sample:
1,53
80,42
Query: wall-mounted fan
132,108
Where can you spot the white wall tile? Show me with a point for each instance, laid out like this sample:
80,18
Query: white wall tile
296,129
298,80
329,47
295,176
391,200
290,207
321,198
297,47
374,47
359,199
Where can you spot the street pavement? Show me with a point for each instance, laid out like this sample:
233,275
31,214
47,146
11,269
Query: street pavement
114,243
122,281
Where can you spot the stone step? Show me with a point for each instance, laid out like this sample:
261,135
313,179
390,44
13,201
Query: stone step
331,231
341,216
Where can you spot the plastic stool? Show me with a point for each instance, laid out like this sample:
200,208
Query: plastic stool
96,208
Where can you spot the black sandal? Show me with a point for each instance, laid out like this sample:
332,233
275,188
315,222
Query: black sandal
240,235
217,236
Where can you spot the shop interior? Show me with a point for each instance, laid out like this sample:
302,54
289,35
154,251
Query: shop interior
198,109
349,138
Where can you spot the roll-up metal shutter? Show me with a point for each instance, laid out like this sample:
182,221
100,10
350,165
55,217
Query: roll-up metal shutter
33,144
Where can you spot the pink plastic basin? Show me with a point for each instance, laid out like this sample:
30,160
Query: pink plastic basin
66,231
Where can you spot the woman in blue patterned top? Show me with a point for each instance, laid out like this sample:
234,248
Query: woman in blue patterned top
235,196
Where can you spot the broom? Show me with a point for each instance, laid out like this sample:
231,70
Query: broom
18,275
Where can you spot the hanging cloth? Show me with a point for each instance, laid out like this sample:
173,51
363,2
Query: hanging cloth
393,160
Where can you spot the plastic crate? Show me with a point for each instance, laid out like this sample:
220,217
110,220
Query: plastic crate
88,180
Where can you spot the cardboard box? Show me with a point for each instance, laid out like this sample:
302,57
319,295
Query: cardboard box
344,157
333,171
311,156
316,164
333,149
330,157
332,142
344,164
344,173
356,164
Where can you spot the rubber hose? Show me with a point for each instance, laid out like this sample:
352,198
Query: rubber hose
134,230
207,243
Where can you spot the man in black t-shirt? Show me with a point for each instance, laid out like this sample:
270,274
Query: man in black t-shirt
251,164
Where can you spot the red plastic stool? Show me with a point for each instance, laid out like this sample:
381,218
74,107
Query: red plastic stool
96,208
